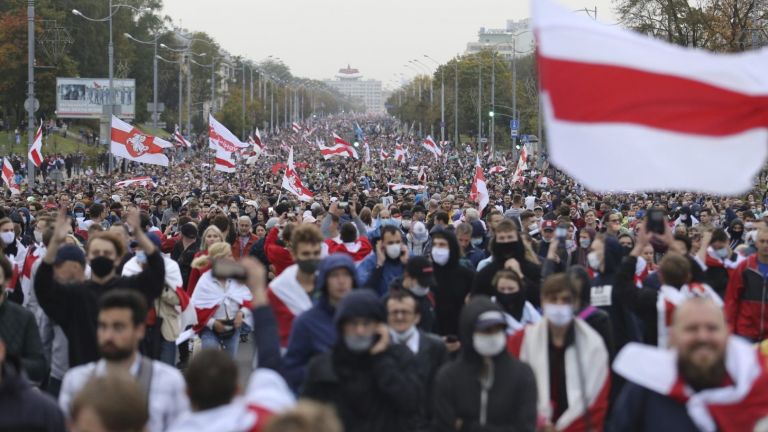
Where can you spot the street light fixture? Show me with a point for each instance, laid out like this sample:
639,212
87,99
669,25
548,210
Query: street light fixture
154,73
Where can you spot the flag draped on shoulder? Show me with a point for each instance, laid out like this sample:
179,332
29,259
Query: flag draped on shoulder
292,182
8,177
399,153
651,103
134,145
382,154
479,191
36,151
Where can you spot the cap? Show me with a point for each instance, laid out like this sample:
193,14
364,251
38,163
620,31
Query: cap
420,268
154,238
490,319
548,225
69,253
538,207
189,230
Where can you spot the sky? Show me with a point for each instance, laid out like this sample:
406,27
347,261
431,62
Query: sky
316,38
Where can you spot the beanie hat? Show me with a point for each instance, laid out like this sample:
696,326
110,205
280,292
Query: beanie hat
361,303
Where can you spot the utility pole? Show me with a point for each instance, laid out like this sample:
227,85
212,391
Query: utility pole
479,102
30,88
456,103
189,89
514,90
242,113
492,118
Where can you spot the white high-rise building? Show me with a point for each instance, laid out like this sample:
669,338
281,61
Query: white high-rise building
350,83
516,34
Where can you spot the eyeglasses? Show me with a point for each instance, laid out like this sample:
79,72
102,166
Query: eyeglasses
405,313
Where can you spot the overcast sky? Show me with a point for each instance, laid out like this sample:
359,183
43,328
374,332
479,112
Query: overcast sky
317,37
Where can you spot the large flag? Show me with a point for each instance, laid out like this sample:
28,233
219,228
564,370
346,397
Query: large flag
337,150
522,165
497,169
224,162
382,154
431,147
145,181
479,191
296,127
649,103
256,137
8,177
339,140
132,144
400,186
399,153
183,142
36,151
292,182
220,137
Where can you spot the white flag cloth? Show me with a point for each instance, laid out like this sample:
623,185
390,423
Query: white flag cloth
479,192
522,165
179,138
431,147
133,144
340,150
224,161
676,115
399,153
400,186
36,151
292,182
220,137
8,177
145,181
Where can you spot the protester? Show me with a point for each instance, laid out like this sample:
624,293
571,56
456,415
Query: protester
379,269
114,402
452,282
745,303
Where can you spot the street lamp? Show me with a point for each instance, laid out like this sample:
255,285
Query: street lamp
213,79
186,54
442,98
154,74
111,55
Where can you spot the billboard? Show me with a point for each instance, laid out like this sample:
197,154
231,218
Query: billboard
84,97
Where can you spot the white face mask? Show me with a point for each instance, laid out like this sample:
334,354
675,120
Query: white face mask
420,291
393,251
440,256
559,315
406,224
593,260
403,337
38,236
7,237
489,345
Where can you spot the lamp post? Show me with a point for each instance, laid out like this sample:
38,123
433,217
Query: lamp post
442,98
431,90
30,89
187,54
107,118
456,102
154,73
213,79
180,63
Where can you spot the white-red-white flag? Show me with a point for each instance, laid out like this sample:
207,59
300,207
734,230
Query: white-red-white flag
382,154
367,151
497,169
400,186
133,144
339,140
292,182
296,127
431,147
179,138
336,150
256,137
479,191
36,151
145,181
8,177
522,165
399,153
651,103
422,175
224,161
220,137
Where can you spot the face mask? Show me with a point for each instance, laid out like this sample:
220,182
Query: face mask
141,257
38,236
489,345
406,224
626,250
102,266
533,227
358,344
683,217
512,303
440,256
570,244
559,315
402,337
584,243
420,291
593,260
393,251
504,250
308,266
748,225
386,221
8,237
722,253
476,241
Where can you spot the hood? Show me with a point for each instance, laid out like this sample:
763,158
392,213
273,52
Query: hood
580,274
330,263
359,303
467,320
613,255
453,246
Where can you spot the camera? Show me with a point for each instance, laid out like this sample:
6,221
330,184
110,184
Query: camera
227,269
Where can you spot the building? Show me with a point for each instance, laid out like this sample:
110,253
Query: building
515,36
350,83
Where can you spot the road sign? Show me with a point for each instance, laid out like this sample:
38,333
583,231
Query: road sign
442,124
483,140
514,126
36,104
513,133
160,107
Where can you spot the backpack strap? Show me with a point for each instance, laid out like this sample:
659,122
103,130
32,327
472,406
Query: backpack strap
587,311
144,378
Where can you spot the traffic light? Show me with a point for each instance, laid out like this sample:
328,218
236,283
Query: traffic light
490,113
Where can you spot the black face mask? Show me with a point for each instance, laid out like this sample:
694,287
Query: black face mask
102,266
308,266
505,251
626,250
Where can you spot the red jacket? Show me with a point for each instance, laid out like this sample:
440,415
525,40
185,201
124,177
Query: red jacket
745,305
277,255
195,274
238,252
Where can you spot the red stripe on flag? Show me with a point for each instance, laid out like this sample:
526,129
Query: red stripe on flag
599,93
37,157
120,136
224,162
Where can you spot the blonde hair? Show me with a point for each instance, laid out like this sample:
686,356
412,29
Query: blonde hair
216,251
213,228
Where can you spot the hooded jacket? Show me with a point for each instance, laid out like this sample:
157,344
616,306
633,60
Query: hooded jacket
511,398
371,393
23,407
313,331
453,284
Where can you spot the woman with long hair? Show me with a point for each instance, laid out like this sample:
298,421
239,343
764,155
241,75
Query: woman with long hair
211,235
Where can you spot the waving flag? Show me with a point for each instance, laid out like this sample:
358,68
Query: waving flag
145,181
653,102
256,137
36,151
522,165
223,161
220,137
498,169
292,182
382,154
8,177
367,152
337,150
179,138
132,144
400,186
296,127
479,191
399,153
431,147
338,140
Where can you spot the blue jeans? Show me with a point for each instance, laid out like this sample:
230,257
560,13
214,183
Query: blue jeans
210,340
168,352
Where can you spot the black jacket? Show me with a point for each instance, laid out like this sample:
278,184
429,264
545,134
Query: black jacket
431,357
512,397
184,258
641,301
24,408
75,307
424,306
18,330
531,271
380,393
641,410
453,285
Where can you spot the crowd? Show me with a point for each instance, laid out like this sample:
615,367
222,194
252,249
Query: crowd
377,307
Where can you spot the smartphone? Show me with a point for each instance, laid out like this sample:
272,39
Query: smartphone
451,338
343,204
561,231
655,221
227,269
